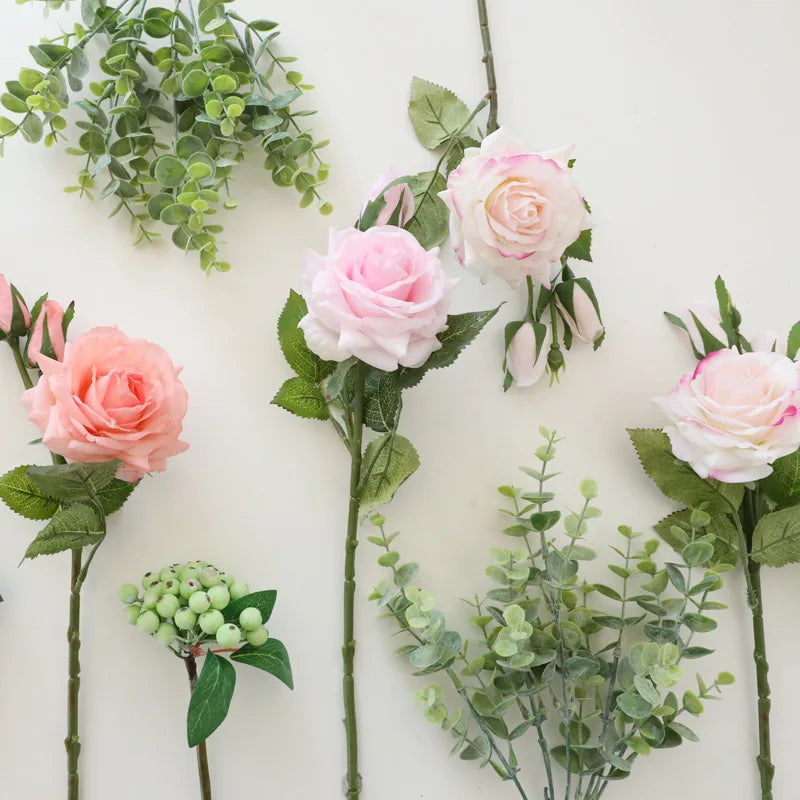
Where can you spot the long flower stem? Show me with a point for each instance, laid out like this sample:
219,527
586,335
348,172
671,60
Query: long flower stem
202,753
488,60
72,742
13,343
353,780
766,769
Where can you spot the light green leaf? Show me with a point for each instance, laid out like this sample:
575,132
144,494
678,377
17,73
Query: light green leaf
435,112
793,341
388,462
270,657
783,485
430,223
293,342
776,540
634,706
302,397
726,541
23,497
77,525
211,698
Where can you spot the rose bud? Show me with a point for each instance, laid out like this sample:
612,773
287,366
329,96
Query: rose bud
14,315
526,356
578,305
395,204
47,336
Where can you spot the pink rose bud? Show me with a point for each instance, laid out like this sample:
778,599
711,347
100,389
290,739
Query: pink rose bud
398,200
703,324
47,337
14,315
578,305
526,357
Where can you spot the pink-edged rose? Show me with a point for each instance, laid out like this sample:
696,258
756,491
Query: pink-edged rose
513,213
51,316
526,357
377,295
110,398
398,198
735,414
9,302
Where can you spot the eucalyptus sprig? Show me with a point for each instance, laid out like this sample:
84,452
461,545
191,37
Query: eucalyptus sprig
185,91
546,644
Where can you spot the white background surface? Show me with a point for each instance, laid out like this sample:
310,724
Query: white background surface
686,122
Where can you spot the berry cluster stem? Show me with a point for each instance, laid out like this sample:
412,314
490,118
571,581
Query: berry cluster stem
202,753
353,779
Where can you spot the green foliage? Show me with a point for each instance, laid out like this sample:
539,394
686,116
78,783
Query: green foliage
293,342
270,657
581,248
604,662
388,462
783,484
776,539
211,698
303,398
264,601
23,497
184,94
675,530
435,112
76,525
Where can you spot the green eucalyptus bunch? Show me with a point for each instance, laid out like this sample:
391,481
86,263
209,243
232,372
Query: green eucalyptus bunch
183,92
594,672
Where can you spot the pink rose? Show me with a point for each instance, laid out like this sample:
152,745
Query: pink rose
398,197
10,301
51,315
526,357
513,212
110,398
735,414
377,295
578,305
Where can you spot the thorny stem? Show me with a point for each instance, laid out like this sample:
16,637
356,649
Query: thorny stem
202,753
488,60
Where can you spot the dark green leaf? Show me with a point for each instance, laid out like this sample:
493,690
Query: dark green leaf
23,497
264,601
581,248
783,485
793,342
77,525
381,402
293,342
776,540
74,482
270,657
211,698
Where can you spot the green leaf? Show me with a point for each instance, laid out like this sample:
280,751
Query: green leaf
677,480
793,342
698,623
725,310
293,342
77,525
462,329
211,698
13,103
435,112
169,172
696,554
388,462
80,482
302,397
270,657
381,401
783,484
776,540
32,128
726,536
264,601
581,248
114,495
634,706
23,497
430,223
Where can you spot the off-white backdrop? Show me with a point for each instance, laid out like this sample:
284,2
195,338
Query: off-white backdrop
686,123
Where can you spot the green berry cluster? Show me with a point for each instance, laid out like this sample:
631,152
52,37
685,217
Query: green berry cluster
183,605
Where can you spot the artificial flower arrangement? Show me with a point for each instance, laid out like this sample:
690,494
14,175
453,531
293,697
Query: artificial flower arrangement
189,608
166,150
110,406
606,663
514,214
732,448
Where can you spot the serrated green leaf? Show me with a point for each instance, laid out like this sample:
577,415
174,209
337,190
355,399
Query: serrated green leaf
302,397
783,484
79,482
776,540
292,340
435,112
726,541
388,462
76,526
430,222
382,401
210,699
270,657
23,497
581,248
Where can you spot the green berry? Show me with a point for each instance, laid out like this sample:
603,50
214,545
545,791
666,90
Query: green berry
165,633
188,572
185,618
250,619
167,605
220,597
132,612
150,598
200,602
167,574
128,593
172,586
149,579
257,637
189,587
226,579
229,636
209,577
239,589
211,622
148,621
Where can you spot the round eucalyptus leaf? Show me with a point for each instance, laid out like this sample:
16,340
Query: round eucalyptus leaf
169,172
175,214
158,203
157,28
188,145
194,84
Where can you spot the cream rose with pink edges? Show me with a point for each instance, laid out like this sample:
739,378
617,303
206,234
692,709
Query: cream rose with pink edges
377,295
735,414
110,398
513,212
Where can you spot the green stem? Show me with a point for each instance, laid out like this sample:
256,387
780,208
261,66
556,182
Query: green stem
529,284
766,769
353,780
13,343
202,753
488,60
72,742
